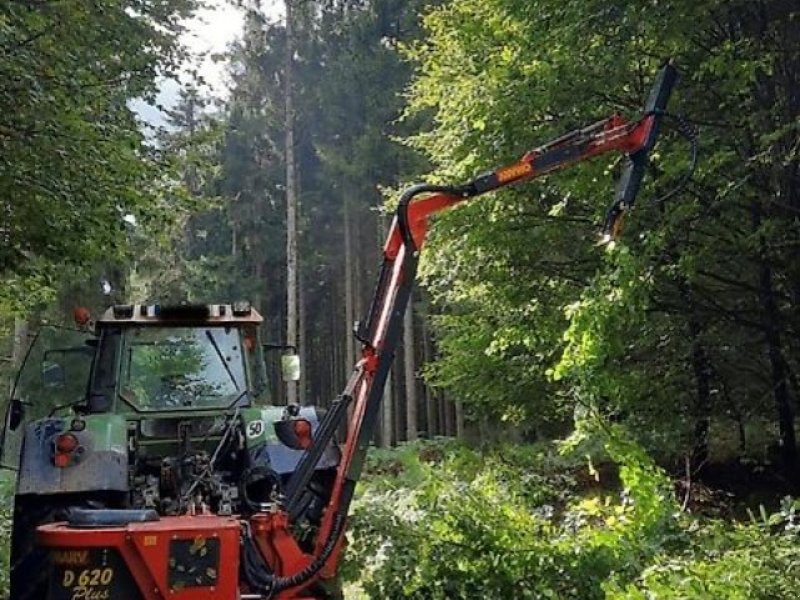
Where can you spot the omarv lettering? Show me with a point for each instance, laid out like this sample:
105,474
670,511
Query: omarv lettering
70,558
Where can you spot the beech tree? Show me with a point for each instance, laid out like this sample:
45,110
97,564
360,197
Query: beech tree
74,160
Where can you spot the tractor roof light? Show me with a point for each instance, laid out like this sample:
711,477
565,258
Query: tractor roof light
150,310
123,311
241,308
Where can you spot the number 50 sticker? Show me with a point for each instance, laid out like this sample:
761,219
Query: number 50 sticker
255,429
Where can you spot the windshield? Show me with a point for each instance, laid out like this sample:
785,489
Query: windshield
182,367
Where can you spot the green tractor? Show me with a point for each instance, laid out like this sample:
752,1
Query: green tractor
158,409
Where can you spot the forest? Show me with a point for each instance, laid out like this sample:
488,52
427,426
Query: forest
563,419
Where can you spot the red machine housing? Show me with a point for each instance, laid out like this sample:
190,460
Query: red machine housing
184,558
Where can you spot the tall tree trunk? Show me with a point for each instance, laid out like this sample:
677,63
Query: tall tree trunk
441,409
400,402
412,425
702,375
291,202
779,374
19,345
459,419
258,295
349,276
428,395
302,347
451,418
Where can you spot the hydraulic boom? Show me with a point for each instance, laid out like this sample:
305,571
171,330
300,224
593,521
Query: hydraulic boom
262,555
380,332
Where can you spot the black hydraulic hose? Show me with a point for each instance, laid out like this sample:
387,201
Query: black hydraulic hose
284,583
405,200
310,459
257,574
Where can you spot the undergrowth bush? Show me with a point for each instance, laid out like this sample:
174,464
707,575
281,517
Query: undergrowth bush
759,560
6,509
440,521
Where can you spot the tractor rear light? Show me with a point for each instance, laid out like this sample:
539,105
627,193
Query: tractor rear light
66,445
297,433
82,316
302,430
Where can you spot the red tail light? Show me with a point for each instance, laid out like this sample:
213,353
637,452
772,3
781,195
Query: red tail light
65,445
302,429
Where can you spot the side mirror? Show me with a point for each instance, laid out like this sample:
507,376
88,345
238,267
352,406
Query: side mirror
16,412
52,375
290,367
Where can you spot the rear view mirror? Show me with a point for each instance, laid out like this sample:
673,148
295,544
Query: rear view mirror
290,367
52,375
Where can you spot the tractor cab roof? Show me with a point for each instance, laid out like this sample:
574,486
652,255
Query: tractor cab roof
238,313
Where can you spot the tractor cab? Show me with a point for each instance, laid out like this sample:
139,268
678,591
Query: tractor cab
154,359
143,362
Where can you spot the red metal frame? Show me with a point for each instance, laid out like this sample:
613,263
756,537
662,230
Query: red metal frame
608,135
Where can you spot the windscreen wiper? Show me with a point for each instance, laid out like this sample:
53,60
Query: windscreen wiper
224,362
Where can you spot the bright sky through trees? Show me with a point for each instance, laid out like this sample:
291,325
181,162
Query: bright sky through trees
208,35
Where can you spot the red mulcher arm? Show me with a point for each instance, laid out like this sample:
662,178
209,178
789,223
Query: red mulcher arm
380,334
271,562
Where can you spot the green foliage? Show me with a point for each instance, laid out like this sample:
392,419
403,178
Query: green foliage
723,561
442,521
470,525
7,481
74,159
531,319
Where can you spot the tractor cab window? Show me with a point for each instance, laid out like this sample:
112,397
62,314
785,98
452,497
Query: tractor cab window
255,364
176,368
104,373
52,380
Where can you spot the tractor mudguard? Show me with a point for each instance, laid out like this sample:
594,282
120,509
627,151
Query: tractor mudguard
265,448
100,462
284,460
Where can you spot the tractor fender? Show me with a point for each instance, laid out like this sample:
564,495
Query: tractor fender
269,451
100,465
